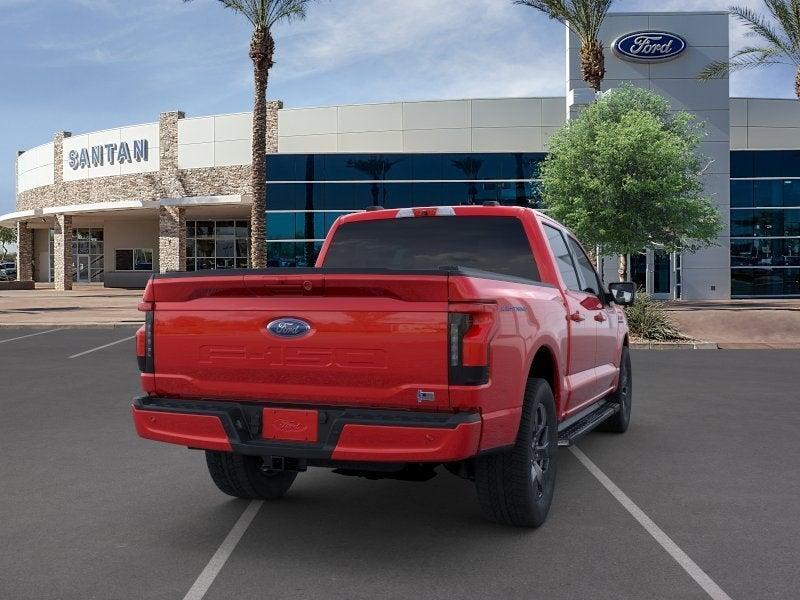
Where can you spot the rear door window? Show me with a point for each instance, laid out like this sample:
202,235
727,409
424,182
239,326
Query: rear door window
494,244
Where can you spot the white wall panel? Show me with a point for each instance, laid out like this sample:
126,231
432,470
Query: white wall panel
196,130
371,141
237,126
773,138
554,111
507,139
717,124
35,167
308,121
689,64
447,114
738,109
308,143
507,112
773,113
437,140
710,29
371,117
690,94
234,152
195,156
739,138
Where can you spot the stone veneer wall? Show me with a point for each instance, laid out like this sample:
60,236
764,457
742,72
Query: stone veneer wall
168,182
62,252
24,252
171,238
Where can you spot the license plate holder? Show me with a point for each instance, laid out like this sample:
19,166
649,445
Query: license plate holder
290,424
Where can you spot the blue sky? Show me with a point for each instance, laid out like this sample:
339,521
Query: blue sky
83,65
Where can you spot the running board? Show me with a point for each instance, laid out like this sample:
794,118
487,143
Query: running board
576,430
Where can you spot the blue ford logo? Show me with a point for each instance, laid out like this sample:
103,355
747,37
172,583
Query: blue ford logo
649,46
288,327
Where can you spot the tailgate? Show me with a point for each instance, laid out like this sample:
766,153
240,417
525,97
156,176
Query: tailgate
323,339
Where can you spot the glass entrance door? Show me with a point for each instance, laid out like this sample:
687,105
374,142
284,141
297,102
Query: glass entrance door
662,272
82,274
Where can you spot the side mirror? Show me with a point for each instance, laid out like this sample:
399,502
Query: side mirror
622,292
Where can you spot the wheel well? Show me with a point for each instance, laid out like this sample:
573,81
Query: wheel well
545,367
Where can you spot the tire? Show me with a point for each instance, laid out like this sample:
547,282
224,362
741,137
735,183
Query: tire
515,487
623,396
242,476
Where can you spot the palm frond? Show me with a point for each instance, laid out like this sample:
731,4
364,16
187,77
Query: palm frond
759,26
583,17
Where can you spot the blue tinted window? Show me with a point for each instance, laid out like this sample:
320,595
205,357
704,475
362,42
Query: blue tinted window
768,193
765,282
776,163
292,254
741,193
765,253
742,164
280,226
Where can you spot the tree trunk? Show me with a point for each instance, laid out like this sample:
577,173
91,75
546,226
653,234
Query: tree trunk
797,84
622,269
593,64
262,48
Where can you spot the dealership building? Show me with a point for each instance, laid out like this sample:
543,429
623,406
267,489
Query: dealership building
114,206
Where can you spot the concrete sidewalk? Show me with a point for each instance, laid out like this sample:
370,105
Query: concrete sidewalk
735,324
85,306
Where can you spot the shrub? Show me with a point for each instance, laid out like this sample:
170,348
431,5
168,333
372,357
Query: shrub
647,319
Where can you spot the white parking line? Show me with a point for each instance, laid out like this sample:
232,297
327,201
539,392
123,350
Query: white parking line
22,337
226,548
103,346
695,572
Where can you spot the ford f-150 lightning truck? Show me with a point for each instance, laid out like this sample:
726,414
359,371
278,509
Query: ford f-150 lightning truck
479,338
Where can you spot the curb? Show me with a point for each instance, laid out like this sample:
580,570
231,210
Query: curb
674,346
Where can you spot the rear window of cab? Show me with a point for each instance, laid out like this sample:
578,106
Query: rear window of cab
494,244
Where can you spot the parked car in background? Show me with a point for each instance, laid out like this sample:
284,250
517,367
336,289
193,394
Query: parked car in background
8,271
475,337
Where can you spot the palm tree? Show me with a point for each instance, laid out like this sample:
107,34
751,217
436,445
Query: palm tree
377,169
263,15
470,167
779,41
584,18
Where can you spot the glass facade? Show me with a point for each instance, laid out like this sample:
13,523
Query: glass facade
765,223
306,193
217,245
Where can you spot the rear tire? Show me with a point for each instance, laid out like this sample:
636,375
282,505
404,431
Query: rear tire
515,487
623,396
243,476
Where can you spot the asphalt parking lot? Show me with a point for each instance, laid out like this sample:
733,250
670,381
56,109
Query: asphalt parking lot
91,511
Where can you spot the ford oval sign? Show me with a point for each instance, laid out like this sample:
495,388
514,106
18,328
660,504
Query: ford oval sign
288,327
649,46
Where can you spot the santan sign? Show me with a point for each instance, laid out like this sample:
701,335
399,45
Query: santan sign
649,46
97,156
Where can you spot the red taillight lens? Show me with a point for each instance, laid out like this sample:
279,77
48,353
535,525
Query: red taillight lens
470,329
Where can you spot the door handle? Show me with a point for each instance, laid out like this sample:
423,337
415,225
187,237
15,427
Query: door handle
577,317
600,317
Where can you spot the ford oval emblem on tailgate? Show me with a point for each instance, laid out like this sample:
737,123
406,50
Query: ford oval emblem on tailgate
288,327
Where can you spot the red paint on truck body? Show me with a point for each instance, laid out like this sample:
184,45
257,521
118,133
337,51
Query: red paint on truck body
380,341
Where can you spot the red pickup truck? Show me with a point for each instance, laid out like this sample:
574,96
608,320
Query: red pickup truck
474,337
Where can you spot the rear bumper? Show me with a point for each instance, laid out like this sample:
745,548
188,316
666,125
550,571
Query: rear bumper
344,434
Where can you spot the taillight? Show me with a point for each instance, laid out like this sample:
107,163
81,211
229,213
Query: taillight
144,345
144,336
470,328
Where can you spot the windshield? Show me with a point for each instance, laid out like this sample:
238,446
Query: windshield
495,244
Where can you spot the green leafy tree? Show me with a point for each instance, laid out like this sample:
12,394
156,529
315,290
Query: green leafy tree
778,42
625,175
263,15
584,18
7,237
